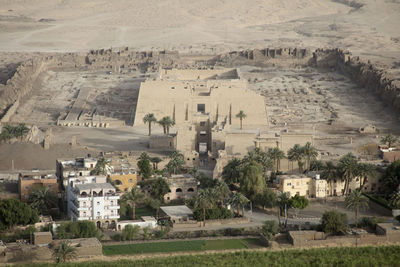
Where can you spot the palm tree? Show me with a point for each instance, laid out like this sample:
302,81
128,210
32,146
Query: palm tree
238,199
21,130
155,161
365,170
330,174
389,140
276,155
7,132
310,153
296,154
204,200
356,201
43,200
283,204
241,115
149,118
64,252
260,157
221,192
132,197
176,162
166,123
316,165
348,168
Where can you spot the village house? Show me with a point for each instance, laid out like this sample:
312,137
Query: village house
181,187
30,181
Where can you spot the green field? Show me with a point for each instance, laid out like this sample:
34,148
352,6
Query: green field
175,246
364,256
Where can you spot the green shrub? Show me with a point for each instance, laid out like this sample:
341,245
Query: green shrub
79,229
370,221
14,212
333,222
130,232
214,213
269,229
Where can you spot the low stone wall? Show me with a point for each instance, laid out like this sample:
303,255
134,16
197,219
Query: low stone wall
218,222
311,239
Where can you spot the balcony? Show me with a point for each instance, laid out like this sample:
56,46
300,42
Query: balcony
111,217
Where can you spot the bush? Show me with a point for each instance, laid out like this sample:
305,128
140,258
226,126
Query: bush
213,214
14,212
370,221
269,229
80,229
130,232
333,222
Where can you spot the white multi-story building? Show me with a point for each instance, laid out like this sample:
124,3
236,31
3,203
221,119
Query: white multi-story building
92,198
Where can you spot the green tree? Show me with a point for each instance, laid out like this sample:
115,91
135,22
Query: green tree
364,171
64,252
221,192
100,168
269,229
330,174
78,229
394,200
144,165
158,188
130,232
149,119
239,200
21,130
296,154
252,181
333,222
14,212
155,161
391,178
241,115
132,198
299,203
43,200
316,165
276,155
389,140
231,171
204,200
266,199
260,157
356,201
176,162
348,168
310,153
166,123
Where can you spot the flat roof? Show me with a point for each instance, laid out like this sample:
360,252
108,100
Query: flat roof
89,186
177,211
292,177
42,234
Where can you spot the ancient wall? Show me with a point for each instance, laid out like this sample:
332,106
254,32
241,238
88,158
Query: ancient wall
364,74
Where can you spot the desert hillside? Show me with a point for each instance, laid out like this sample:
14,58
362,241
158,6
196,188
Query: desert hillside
367,27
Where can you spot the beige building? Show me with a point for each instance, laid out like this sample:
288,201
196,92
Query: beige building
30,181
181,187
312,187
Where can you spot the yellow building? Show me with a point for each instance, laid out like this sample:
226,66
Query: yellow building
124,180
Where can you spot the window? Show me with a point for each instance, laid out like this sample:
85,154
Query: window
98,203
201,108
84,214
190,190
202,123
178,190
80,173
112,203
289,184
98,213
130,180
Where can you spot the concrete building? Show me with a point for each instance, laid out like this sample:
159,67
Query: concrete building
312,186
74,168
176,214
146,221
91,198
181,187
30,181
389,154
124,180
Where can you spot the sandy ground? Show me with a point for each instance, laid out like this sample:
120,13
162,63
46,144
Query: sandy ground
206,26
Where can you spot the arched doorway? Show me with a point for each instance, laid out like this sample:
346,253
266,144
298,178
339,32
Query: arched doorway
98,224
113,225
